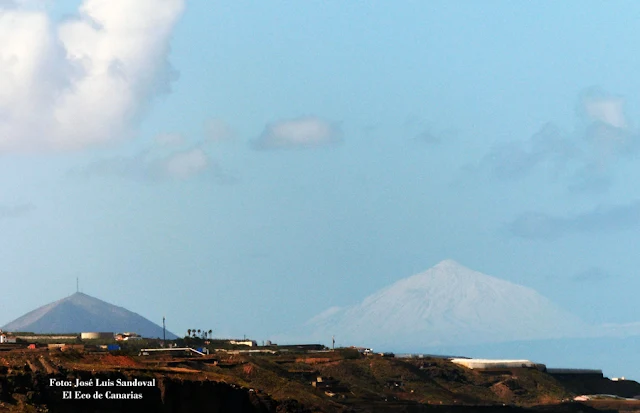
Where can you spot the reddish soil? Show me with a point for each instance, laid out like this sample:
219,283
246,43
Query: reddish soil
120,361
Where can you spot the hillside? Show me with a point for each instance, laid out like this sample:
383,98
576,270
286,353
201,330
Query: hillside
344,382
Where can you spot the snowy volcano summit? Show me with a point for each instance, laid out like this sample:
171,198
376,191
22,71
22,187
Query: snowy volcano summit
448,304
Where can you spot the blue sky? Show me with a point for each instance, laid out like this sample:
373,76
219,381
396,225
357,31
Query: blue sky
242,166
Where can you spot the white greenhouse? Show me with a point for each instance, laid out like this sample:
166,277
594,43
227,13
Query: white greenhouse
487,364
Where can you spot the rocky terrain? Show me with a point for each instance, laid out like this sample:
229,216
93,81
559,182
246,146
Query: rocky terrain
340,381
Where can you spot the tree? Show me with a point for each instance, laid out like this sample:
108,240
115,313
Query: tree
188,332
210,332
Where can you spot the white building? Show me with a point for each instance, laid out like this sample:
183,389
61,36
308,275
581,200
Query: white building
7,339
487,364
250,343
96,335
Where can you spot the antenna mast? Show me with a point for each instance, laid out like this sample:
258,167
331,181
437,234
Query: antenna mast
77,285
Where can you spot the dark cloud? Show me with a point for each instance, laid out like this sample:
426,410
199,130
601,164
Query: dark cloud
547,147
425,132
431,137
600,219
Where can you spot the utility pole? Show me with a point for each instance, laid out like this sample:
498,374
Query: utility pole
164,331
77,284
333,342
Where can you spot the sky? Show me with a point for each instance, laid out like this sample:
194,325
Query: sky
242,166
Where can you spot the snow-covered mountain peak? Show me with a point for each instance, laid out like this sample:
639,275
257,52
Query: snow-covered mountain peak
450,264
449,303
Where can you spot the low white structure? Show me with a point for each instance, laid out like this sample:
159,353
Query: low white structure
7,339
96,335
127,336
250,343
146,351
487,364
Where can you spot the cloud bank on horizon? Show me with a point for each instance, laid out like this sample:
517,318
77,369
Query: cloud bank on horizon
86,80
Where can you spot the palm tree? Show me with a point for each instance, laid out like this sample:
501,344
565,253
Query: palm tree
210,332
188,332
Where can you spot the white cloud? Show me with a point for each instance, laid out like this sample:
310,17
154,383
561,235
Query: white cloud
608,129
605,108
547,149
24,3
183,165
303,132
85,81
